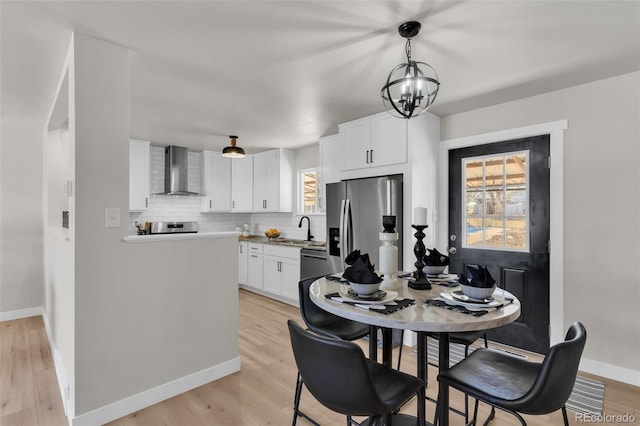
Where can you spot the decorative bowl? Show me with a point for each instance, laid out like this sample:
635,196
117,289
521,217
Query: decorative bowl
272,233
364,289
433,270
478,293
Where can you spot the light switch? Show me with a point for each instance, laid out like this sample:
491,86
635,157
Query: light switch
112,217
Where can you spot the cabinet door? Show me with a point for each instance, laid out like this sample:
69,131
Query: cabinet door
388,140
217,183
139,159
290,272
356,144
272,274
243,258
255,272
266,181
242,184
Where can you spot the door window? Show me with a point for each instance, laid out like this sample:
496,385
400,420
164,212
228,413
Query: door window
496,195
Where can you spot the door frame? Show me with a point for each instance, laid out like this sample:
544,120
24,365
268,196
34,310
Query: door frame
555,130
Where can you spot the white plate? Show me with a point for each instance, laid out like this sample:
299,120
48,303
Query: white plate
473,305
388,298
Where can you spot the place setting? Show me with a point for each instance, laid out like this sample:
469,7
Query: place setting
362,287
477,295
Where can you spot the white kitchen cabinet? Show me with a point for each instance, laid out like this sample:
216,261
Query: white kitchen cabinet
139,178
282,271
243,265
216,182
242,184
273,181
378,140
255,271
329,166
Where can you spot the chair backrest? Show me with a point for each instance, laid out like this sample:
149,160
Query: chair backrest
312,315
557,376
335,372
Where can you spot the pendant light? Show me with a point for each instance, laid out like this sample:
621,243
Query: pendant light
233,151
411,87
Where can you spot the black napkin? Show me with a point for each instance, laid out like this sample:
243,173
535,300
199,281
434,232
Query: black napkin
361,270
478,276
435,258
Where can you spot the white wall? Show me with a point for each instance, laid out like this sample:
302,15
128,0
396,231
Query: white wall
601,208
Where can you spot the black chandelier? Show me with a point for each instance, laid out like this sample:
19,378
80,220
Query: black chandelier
411,87
233,151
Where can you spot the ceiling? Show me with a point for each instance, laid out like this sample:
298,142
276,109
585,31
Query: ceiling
284,73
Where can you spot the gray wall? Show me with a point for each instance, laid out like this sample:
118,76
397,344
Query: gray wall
601,207
21,235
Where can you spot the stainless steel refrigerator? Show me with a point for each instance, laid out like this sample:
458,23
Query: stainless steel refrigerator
354,217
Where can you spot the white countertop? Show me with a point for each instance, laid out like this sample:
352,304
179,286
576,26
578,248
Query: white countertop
174,237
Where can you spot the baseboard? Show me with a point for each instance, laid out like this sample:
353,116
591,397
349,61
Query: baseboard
152,396
22,313
610,371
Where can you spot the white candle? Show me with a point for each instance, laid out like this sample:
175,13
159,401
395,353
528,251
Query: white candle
420,216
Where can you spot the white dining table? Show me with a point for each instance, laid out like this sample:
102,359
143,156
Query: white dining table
421,318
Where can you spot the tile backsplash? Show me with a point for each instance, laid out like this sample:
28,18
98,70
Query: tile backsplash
186,208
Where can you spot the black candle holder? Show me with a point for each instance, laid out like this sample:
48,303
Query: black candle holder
419,280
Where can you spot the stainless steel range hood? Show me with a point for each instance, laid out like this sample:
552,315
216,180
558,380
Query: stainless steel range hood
176,171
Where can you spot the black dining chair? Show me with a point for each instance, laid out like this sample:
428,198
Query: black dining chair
325,324
340,377
516,385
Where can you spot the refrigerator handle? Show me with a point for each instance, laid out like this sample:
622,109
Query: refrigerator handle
341,237
348,227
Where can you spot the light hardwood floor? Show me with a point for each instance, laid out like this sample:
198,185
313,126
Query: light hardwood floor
260,394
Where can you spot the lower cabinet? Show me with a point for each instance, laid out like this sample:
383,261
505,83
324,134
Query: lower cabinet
255,268
243,259
270,270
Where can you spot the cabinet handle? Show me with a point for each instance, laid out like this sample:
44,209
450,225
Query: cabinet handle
367,156
254,255
233,204
146,202
240,249
209,203
371,156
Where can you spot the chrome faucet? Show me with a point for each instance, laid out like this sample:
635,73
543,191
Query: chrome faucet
309,236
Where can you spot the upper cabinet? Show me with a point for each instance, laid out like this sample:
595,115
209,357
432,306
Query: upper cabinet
216,182
378,140
242,184
273,181
139,159
329,166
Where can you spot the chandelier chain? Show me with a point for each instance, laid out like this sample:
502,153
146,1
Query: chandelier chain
407,49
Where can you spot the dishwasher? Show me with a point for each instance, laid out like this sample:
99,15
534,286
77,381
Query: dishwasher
314,263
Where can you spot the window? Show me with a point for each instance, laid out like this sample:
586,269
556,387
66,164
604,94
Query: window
496,194
308,191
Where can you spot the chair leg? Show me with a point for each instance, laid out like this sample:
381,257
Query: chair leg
296,400
564,415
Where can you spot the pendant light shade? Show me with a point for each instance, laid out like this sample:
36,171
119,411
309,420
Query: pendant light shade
233,151
411,87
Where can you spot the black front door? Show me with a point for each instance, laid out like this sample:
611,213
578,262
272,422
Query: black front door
499,218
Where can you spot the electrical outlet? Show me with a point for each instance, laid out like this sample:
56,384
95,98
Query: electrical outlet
112,217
